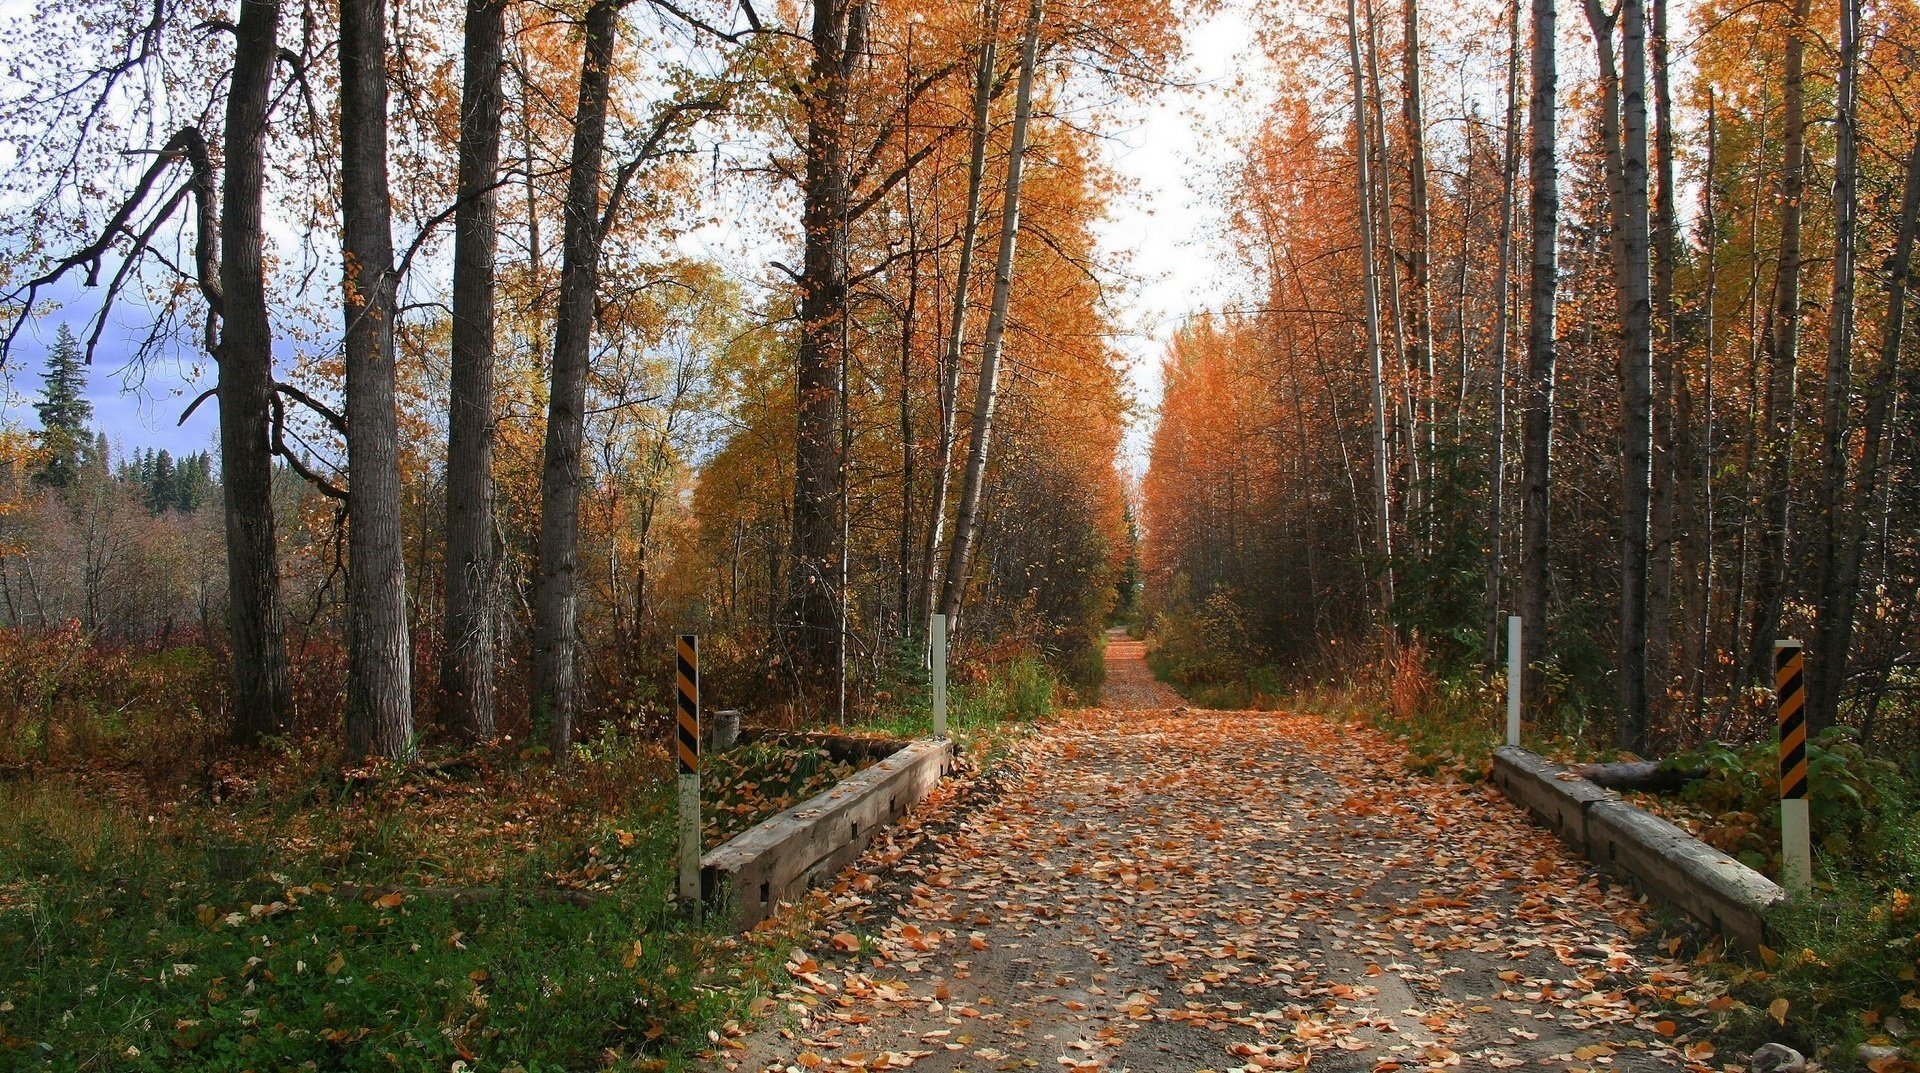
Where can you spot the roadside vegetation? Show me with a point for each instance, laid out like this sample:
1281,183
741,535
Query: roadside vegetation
166,906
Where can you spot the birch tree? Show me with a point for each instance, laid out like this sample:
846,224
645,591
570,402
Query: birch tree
966,520
1370,284
1543,281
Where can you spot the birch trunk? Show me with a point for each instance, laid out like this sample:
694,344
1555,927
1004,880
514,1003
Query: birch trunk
956,332
1826,672
1386,240
1782,345
1880,397
1636,361
1700,638
1672,395
967,520
1542,295
1509,167
1623,133
1413,114
1382,524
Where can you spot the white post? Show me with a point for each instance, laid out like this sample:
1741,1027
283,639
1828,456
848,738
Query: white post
1514,670
1796,845
939,650
690,839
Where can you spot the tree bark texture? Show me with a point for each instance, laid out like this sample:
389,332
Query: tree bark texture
1537,395
1672,396
379,712
556,601
966,521
811,621
1413,114
1874,449
1383,522
1502,330
255,615
1623,131
466,670
1782,347
957,329
1833,627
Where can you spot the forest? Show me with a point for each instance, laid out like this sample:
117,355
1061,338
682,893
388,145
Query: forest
578,439
536,335
1620,349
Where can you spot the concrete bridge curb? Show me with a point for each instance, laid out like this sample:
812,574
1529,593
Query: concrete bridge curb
1667,863
776,860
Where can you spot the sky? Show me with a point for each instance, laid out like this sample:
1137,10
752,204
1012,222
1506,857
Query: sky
1166,224
1162,226
136,407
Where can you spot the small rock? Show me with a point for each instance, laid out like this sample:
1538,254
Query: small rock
1868,1052
1777,1058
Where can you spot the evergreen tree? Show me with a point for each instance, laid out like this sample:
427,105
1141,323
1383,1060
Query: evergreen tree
64,412
192,481
162,485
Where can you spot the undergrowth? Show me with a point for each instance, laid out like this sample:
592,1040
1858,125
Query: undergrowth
990,701
506,915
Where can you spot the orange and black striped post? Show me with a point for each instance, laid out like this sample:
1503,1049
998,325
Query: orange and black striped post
1790,696
687,747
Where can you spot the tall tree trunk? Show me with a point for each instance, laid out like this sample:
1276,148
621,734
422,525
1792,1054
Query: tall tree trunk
1636,353
966,522
255,619
909,449
1672,396
1386,240
957,330
1542,286
1833,627
556,602
379,712
1362,140
811,617
1874,452
1502,331
466,670
1701,637
1782,353
1623,131
1413,114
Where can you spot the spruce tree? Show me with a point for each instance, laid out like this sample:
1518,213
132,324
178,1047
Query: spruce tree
162,486
64,412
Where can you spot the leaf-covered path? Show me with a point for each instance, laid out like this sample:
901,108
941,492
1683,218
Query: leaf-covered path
1165,889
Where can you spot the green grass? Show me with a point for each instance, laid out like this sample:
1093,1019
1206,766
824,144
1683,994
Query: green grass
128,946
978,713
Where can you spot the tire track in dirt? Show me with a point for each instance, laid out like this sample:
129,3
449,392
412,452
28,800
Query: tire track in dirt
1163,889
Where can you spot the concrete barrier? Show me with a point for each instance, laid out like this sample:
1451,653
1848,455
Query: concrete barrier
1555,796
777,860
1667,863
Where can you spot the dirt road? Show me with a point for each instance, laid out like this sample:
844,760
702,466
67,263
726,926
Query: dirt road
1158,889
